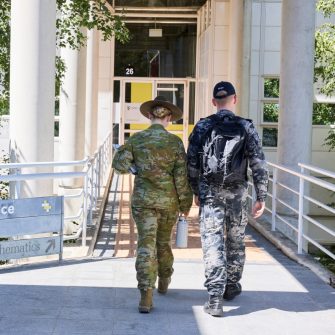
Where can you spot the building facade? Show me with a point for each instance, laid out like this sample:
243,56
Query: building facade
179,49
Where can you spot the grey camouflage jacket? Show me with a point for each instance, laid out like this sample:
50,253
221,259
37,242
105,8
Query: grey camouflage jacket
254,154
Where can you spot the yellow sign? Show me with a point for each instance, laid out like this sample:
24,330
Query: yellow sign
141,92
46,206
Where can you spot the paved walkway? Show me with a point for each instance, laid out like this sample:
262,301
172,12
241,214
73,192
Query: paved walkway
98,295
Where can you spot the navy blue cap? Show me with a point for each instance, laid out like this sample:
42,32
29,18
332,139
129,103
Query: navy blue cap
223,89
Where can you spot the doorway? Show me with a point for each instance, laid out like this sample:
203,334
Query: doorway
132,92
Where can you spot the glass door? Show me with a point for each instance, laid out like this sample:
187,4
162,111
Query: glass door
133,92
175,93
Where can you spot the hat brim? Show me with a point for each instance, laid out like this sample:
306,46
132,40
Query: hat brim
146,108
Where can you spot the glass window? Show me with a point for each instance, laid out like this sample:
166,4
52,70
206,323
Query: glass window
271,88
56,128
56,123
323,114
116,93
173,93
270,112
191,114
270,137
172,55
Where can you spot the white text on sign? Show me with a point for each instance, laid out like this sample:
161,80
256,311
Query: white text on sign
7,210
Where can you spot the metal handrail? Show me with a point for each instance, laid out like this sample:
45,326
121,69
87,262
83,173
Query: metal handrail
303,177
42,164
318,170
37,176
314,180
94,173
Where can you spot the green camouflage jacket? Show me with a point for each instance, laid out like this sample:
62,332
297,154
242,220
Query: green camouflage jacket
160,159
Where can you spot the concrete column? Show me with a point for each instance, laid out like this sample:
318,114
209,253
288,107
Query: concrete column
244,95
72,109
32,87
92,72
296,88
236,49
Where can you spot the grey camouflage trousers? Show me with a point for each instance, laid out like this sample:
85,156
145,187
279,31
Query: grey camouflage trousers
223,219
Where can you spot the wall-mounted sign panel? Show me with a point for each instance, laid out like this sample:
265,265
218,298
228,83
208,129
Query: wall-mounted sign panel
31,216
29,225
133,115
15,249
30,207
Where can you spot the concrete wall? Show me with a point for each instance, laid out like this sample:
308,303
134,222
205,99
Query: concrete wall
204,95
265,62
105,90
221,31
204,62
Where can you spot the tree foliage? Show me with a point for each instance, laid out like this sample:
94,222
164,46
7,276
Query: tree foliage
77,14
4,54
73,16
325,58
271,88
323,114
327,7
325,62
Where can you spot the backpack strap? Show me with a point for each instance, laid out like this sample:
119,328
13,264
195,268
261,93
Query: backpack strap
214,118
217,118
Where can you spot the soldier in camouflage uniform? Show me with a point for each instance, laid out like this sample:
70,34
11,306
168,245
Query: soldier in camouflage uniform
161,192
223,205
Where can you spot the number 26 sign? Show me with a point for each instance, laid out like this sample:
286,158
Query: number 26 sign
129,70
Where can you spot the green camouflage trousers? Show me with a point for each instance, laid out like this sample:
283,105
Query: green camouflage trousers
154,253
223,219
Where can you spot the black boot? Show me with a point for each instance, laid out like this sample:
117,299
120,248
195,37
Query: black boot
231,291
214,306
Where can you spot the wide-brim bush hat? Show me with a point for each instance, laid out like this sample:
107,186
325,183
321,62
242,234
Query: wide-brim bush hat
160,101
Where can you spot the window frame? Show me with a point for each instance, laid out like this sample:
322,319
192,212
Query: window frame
268,100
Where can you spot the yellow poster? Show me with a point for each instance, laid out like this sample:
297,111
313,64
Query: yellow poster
141,92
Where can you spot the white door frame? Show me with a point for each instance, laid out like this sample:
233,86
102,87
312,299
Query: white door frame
155,82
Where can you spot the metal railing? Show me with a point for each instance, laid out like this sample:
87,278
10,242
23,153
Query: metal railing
303,200
94,172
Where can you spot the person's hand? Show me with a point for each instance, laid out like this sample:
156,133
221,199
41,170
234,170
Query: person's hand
196,200
185,214
258,209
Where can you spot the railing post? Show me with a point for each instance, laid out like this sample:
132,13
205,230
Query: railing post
301,211
95,179
99,173
104,150
274,199
85,211
90,181
110,143
92,185
17,186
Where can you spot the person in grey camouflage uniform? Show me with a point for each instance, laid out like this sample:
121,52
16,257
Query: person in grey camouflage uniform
223,205
161,192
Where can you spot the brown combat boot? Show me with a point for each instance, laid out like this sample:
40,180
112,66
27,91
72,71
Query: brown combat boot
163,284
145,304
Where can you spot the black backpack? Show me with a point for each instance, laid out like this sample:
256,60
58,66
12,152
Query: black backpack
224,150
